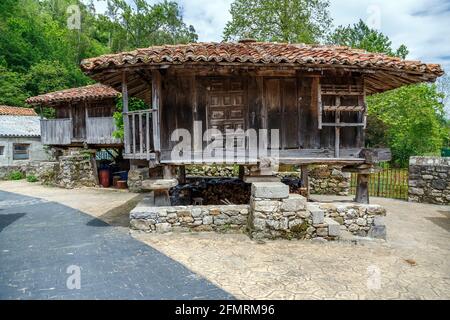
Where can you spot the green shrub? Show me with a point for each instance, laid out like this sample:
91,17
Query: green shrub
32,178
16,175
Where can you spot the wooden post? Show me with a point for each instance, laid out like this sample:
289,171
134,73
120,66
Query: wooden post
305,179
169,172
337,130
362,189
319,104
156,106
241,172
182,174
126,128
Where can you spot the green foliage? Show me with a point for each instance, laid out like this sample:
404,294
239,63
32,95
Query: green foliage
293,21
409,120
134,104
32,178
12,88
362,37
16,175
40,54
413,121
141,24
47,76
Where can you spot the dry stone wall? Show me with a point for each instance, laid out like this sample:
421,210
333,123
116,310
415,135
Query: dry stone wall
273,213
429,180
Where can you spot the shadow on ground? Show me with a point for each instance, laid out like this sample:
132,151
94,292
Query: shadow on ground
444,221
117,217
7,219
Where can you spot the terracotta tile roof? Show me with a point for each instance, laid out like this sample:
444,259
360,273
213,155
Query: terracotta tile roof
91,92
259,53
16,111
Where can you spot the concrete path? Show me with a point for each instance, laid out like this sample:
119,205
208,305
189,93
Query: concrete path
41,241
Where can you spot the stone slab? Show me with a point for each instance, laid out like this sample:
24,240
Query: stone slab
270,190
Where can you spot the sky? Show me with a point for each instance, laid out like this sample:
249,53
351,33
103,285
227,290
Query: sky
422,25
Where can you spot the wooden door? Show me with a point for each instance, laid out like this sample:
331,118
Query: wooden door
280,97
79,122
227,107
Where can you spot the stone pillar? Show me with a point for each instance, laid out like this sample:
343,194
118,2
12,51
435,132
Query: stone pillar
275,214
77,169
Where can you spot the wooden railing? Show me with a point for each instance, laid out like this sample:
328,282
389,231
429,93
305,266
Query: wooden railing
138,132
100,131
56,131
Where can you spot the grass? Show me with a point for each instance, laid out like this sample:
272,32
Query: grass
32,178
16,175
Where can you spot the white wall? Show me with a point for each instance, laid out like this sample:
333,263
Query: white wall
36,150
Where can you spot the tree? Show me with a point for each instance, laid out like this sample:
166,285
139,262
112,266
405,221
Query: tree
12,86
443,85
142,24
293,21
414,119
410,120
39,53
47,76
360,36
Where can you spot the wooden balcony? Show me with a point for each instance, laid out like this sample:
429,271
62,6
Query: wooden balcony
56,131
96,131
100,131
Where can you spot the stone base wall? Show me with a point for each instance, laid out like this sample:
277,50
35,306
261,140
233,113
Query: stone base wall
358,219
136,178
186,218
429,180
212,171
273,213
276,214
324,179
44,171
76,170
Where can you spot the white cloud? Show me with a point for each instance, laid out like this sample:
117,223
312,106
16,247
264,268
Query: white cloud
422,25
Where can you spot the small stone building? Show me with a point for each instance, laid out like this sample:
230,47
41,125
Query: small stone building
20,136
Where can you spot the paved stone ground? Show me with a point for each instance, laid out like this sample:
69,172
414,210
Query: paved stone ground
39,240
413,264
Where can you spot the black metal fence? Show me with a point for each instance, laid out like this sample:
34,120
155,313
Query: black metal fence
389,183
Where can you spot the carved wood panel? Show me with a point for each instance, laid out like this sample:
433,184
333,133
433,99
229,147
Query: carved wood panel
226,109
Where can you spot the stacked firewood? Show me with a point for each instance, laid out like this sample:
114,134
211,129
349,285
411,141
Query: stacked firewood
211,192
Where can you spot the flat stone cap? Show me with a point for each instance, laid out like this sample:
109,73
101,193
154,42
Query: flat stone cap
159,184
270,190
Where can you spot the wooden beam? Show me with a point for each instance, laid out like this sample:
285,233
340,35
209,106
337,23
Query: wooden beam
376,155
156,105
337,130
126,127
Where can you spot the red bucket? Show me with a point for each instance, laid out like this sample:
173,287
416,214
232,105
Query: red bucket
104,177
